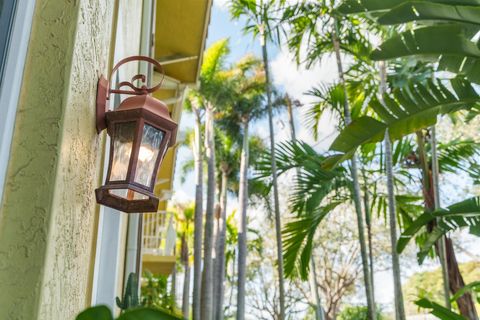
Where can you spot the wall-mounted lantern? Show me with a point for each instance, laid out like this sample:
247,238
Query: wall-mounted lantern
141,131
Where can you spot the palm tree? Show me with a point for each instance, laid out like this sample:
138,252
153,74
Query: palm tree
392,214
319,313
247,105
308,21
210,95
261,22
456,53
193,104
228,151
184,216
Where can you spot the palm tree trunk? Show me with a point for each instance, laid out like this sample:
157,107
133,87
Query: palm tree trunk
436,194
207,279
397,284
368,222
465,303
198,217
356,187
173,291
186,279
319,314
392,211
278,222
219,290
242,225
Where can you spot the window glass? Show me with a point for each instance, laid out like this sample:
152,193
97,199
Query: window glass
7,10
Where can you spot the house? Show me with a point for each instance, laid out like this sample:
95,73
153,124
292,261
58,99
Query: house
61,252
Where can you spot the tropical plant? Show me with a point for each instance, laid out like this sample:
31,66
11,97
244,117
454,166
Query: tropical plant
209,96
457,53
428,284
104,313
247,105
130,297
454,22
155,293
312,186
184,214
318,27
193,103
438,310
356,313
262,21
463,214
227,150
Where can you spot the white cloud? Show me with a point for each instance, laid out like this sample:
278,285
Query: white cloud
296,81
221,4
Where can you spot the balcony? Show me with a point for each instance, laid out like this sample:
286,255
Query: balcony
158,243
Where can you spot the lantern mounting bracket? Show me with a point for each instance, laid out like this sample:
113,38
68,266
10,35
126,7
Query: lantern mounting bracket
104,90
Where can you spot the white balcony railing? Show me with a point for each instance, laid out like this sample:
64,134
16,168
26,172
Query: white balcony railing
159,235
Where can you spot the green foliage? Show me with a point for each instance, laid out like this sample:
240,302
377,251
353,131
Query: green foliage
438,310
261,18
311,187
357,313
95,313
463,214
155,293
405,111
449,41
298,239
103,313
428,41
473,287
130,297
459,155
428,284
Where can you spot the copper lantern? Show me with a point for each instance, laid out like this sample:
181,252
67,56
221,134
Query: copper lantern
140,131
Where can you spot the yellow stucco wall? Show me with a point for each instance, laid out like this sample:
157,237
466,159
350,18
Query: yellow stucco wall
48,209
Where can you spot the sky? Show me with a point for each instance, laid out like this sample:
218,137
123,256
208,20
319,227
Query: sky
290,78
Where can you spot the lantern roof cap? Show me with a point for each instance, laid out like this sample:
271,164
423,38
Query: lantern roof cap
146,102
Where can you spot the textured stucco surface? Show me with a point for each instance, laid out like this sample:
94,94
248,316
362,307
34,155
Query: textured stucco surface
47,214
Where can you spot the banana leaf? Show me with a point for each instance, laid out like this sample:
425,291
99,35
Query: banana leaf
445,39
422,10
405,111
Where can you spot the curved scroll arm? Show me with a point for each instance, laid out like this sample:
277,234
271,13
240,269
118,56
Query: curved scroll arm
104,90
136,90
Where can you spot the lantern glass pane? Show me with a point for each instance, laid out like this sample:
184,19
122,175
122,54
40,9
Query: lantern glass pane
128,194
122,150
148,154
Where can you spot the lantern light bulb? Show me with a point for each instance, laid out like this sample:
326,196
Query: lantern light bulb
145,154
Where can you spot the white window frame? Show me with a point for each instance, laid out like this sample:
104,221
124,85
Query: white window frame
12,79
117,248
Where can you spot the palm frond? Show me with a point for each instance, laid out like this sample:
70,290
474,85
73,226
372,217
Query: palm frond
463,214
298,238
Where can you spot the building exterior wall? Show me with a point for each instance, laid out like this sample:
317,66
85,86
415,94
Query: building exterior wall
48,210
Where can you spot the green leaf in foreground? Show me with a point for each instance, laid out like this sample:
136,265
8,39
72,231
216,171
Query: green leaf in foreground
95,313
147,314
438,311
462,214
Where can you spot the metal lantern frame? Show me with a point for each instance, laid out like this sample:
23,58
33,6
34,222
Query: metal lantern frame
140,109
